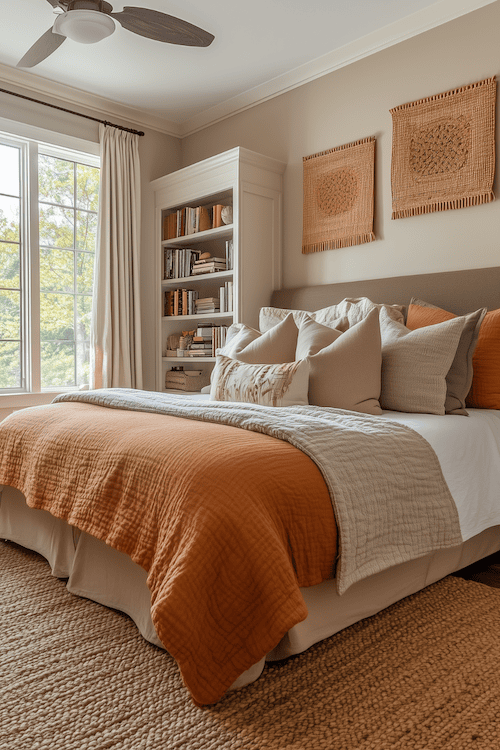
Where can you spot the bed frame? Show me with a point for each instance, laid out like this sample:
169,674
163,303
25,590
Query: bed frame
81,558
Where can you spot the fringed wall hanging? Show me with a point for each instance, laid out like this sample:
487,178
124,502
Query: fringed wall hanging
443,151
338,197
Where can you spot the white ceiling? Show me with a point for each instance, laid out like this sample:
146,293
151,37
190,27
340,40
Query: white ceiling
261,48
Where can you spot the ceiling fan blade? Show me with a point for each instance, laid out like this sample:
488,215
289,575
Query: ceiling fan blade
54,3
162,27
45,46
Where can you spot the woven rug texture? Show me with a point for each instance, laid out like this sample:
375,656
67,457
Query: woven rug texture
422,675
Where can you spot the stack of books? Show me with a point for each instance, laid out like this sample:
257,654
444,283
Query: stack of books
207,305
201,346
209,265
178,262
180,302
191,219
188,220
206,340
226,297
214,337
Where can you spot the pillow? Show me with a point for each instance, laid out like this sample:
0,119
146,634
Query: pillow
354,309
282,384
346,374
273,347
485,390
415,364
459,377
237,338
314,336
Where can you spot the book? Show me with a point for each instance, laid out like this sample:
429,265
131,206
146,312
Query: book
229,254
216,216
212,259
208,268
170,226
205,221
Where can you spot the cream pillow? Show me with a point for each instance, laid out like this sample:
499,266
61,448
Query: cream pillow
415,364
354,309
273,347
347,373
314,336
282,384
237,338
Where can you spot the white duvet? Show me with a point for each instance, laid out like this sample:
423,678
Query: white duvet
468,449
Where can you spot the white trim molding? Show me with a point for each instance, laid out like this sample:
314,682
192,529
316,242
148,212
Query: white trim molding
434,15
406,28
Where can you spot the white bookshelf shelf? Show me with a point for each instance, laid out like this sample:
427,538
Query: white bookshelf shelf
200,316
183,360
204,277
219,233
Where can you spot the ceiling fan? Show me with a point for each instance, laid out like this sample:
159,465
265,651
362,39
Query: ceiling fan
89,21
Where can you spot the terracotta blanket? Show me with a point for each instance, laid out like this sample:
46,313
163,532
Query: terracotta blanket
230,523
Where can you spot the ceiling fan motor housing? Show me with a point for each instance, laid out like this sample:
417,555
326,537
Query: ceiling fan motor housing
85,26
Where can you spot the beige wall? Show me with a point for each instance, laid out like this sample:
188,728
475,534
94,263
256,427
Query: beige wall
159,154
353,103
341,107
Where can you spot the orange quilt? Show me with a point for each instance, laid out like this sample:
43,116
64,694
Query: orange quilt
228,523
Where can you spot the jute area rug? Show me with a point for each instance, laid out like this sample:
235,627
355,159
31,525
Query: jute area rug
423,675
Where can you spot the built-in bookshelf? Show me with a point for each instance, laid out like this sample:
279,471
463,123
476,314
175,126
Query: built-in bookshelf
219,240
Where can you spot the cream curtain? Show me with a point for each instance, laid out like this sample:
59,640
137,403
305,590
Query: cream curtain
116,324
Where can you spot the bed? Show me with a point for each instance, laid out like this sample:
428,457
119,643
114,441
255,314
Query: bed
320,570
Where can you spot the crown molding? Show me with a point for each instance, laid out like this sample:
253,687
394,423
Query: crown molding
428,18
99,106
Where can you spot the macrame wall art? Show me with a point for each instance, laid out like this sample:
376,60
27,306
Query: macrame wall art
443,151
338,197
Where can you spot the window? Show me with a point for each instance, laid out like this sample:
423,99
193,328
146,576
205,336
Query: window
48,225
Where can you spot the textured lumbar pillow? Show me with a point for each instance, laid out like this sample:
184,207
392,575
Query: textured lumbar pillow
273,347
415,364
459,377
284,384
346,374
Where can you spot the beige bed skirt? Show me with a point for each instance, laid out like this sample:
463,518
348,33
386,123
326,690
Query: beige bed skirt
98,572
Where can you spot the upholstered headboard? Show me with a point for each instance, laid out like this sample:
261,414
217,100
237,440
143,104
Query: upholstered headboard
459,292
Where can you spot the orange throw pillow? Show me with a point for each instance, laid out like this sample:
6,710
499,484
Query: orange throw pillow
485,390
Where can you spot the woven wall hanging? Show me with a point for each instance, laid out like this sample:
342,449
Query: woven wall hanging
338,197
443,151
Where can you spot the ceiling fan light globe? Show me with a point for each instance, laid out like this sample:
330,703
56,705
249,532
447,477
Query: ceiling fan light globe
84,26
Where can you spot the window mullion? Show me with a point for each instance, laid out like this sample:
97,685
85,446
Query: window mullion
33,256
75,275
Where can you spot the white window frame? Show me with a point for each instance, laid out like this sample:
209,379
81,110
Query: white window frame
33,141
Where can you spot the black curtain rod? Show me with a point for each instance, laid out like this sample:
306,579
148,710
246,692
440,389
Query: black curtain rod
71,112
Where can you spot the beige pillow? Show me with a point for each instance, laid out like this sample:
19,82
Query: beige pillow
347,373
237,338
415,364
314,336
354,309
459,377
282,384
273,347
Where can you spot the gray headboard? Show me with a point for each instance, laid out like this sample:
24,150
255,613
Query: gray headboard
459,292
